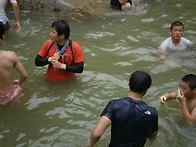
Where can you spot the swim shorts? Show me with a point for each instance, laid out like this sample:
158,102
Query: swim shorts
4,99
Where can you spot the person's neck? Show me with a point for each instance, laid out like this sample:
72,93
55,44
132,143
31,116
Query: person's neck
135,96
61,42
175,41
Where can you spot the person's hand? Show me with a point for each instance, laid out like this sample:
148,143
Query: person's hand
180,96
16,82
55,57
56,64
17,27
162,99
88,143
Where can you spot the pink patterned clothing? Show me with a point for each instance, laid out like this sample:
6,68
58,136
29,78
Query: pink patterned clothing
4,99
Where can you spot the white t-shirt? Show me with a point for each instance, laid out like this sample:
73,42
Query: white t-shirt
168,44
3,3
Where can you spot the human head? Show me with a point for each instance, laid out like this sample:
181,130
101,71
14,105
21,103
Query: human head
139,82
176,30
2,31
190,79
176,23
188,85
62,27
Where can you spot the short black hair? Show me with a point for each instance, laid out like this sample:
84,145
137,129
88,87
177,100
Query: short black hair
139,81
2,31
190,79
62,27
176,23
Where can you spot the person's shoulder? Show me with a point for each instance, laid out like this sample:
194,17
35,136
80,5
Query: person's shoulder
148,107
9,53
49,41
186,40
74,44
164,44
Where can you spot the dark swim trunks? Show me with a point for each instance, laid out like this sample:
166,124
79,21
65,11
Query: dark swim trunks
4,99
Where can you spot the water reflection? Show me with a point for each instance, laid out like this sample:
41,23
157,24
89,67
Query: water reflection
114,45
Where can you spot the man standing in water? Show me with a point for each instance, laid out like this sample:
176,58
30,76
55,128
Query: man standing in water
131,119
9,89
186,94
3,17
175,42
63,55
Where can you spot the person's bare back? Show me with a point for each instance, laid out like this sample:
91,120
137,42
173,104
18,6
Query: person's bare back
8,60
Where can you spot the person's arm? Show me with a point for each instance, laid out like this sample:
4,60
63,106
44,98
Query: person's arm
161,55
167,97
190,117
40,61
77,68
97,132
19,67
17,17
152,135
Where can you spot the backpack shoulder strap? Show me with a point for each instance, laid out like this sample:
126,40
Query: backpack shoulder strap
50,47
70,45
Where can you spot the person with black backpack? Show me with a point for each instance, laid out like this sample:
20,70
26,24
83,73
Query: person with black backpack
63,55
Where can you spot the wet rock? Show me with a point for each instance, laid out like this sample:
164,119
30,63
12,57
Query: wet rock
67,7
61,6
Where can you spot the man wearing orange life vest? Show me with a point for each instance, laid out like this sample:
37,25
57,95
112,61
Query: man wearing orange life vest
63,55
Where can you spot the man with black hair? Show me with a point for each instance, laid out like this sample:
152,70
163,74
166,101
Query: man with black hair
9,89
174,42
131,119
186,94
63,55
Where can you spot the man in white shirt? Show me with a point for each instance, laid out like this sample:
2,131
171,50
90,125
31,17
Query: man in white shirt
3,18
175,41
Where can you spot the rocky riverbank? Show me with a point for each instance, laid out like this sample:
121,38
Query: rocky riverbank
67,7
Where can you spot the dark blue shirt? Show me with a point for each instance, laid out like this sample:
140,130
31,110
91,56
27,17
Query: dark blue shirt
132,121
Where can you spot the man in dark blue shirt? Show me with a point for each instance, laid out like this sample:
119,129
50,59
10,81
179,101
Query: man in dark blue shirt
131,119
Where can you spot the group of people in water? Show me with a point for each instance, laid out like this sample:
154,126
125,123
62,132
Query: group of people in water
132,121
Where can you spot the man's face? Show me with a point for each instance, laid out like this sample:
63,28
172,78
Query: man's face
185,89
54,36
177,32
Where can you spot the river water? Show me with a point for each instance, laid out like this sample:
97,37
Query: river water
114,45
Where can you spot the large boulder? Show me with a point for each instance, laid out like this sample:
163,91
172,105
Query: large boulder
67,7
48,5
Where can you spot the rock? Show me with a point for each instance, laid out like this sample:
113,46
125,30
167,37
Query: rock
67,7
48,5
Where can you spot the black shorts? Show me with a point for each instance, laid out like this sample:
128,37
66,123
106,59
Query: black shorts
6,26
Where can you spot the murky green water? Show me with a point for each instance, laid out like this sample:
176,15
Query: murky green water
114,45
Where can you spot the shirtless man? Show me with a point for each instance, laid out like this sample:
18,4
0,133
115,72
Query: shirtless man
186,94
3,18
9,89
